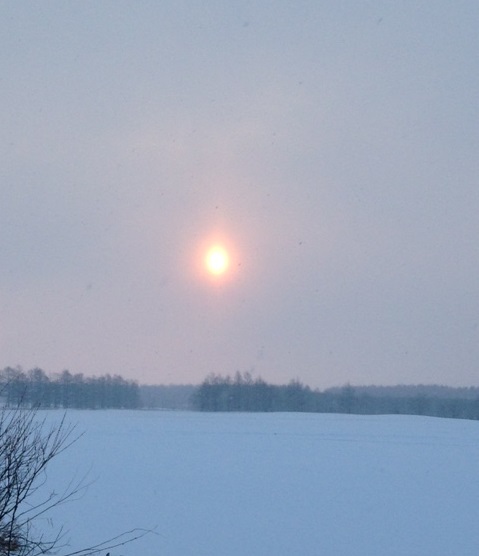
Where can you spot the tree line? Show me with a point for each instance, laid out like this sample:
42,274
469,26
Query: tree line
243,393
35,388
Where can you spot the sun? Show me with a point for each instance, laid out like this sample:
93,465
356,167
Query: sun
217,260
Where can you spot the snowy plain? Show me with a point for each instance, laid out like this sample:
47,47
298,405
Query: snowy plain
278,484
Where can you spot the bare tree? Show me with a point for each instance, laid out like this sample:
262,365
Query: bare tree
27,445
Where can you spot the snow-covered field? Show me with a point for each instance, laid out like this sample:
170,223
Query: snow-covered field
274,484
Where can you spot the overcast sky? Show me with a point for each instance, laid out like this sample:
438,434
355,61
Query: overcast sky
331,146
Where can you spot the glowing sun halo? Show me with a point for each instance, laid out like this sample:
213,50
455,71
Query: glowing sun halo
217,260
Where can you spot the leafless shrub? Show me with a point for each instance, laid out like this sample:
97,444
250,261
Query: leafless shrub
27,445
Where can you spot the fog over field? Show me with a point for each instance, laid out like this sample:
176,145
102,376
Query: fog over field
273,484
233,207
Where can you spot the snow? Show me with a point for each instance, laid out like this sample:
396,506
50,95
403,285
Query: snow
273,484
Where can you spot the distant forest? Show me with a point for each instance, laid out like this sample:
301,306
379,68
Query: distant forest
65,390
242,392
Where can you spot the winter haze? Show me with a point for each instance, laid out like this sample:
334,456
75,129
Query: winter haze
331,147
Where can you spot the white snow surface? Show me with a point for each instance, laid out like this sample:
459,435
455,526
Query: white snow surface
282,484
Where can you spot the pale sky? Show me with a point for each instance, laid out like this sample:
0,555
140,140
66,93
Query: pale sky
332,147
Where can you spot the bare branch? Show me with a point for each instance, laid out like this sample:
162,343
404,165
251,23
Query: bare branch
27,445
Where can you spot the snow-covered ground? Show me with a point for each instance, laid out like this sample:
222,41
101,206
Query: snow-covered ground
274,484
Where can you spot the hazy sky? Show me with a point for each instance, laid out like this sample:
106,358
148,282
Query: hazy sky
331,146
